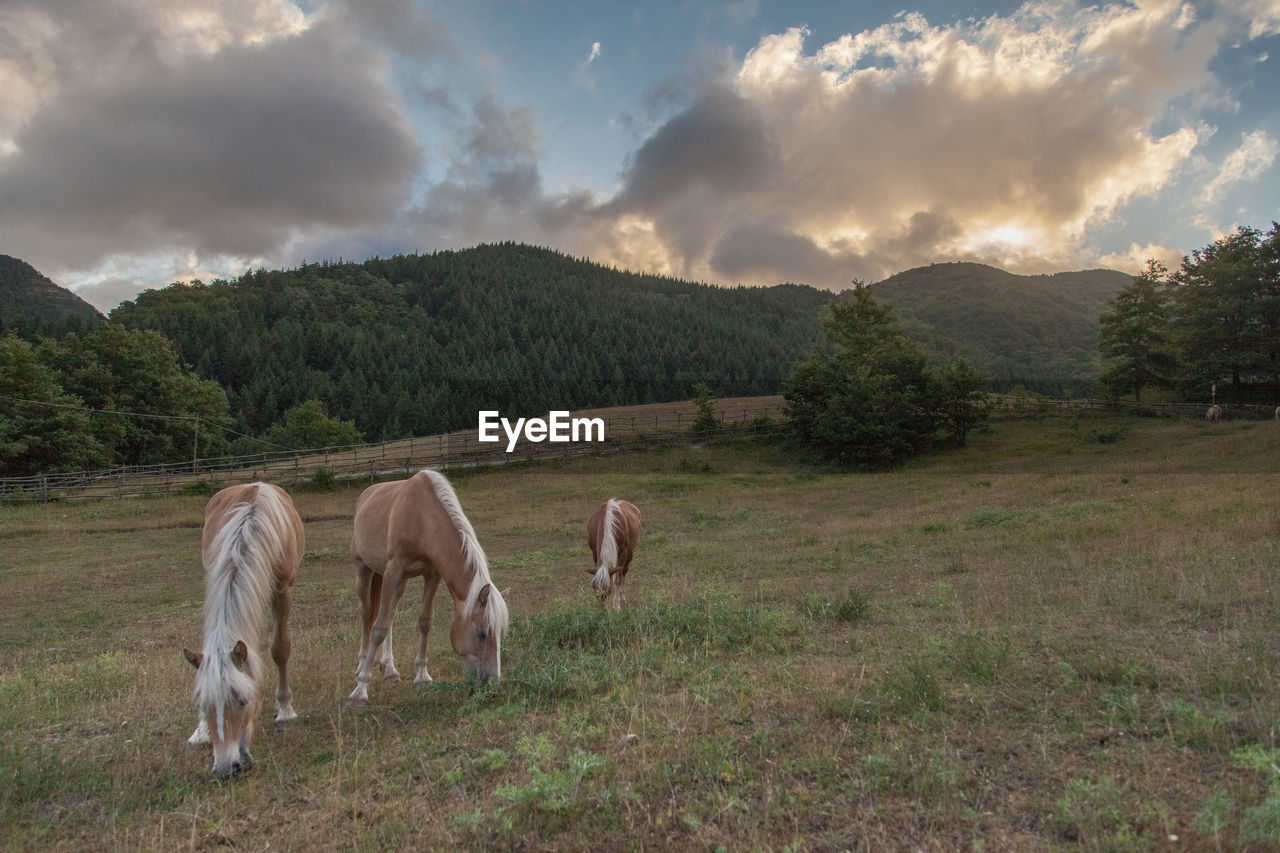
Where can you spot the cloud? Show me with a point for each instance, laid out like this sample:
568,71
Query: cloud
1255,155
1134,260
217,133
1002,140
1263,16
174,136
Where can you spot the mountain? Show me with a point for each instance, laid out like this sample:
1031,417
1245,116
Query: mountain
418,344
1038,331
31,304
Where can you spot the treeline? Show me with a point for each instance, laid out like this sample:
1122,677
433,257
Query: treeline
107,397
1212,323
417,344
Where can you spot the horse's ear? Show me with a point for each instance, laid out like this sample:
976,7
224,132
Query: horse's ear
240,654
193,658
590,571
483,598
506,592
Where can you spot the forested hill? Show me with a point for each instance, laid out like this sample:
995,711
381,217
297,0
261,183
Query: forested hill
31,304
417,344
1040,331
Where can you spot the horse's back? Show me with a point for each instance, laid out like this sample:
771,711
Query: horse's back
218,511
369,525
281,512
403,520
630,515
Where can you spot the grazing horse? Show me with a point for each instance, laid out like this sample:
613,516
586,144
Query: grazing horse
252,544
416,528
1214,414
612,534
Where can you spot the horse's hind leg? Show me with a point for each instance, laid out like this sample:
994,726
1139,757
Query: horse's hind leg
387,658
431,583
281,647
392,588
365,579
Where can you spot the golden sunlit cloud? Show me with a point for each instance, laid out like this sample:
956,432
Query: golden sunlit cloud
1005,139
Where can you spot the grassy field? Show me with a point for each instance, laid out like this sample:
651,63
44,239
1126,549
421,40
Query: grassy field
1063,637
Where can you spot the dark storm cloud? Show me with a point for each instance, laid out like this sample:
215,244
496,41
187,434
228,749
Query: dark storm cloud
229,151
720,145
768,252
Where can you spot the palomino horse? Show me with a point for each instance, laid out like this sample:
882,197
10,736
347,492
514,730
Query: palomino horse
252,543
1214,414
612,534
411,528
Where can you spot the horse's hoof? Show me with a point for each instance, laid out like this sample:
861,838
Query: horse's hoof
391,678
286,722
357,702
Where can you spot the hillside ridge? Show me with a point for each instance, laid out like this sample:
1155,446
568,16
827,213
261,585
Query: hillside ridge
32,303
415,344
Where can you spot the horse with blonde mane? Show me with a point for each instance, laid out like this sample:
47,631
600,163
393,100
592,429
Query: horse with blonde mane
252,543
1214,414
612,534
416,528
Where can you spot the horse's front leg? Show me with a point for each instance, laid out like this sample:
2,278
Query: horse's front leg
618,596
431,583
393,580
281,647
387,660
200,736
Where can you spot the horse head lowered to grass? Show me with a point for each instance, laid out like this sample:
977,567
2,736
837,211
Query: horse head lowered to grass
252,543
416,528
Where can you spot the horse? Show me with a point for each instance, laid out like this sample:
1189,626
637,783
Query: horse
612,534
251,545
416,528
1214,414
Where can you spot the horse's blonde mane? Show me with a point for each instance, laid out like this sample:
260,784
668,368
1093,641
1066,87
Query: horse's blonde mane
473,556
609,535
239,583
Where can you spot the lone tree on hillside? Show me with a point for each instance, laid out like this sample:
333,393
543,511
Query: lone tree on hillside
871,399
1134,335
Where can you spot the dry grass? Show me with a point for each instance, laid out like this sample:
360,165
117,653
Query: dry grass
1062,637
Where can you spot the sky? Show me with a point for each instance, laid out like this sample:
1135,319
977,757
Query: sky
744,142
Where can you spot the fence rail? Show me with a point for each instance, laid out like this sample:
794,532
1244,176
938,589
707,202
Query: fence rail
624,428
628,428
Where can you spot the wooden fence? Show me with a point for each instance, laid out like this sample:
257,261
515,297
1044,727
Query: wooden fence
625,428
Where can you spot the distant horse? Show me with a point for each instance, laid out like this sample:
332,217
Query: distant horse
416,528
612,534
252,544
1214,414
